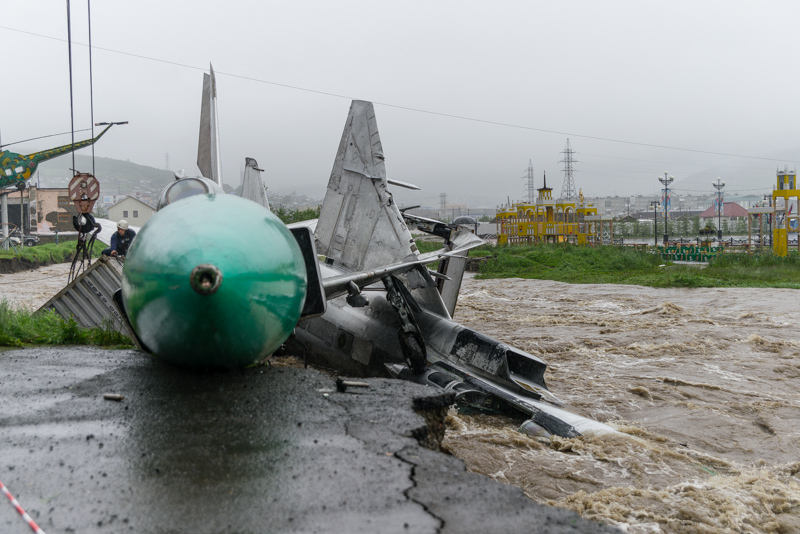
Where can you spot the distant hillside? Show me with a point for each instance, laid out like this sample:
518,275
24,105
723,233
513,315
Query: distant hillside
116,176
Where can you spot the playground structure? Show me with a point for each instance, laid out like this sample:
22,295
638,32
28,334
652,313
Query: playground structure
759,224
784,211
552,221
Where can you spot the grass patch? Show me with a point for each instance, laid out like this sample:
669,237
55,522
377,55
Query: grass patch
428,245
51,252
19,328
624,265
756,270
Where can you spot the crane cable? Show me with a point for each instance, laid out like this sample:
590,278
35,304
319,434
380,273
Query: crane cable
71,103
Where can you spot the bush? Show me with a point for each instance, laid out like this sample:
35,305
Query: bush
292,216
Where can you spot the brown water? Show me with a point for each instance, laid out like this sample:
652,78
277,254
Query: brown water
704,384
32,289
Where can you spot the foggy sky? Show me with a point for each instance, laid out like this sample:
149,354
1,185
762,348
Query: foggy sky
707,76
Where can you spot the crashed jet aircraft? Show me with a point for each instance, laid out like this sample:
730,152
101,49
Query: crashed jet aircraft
349,290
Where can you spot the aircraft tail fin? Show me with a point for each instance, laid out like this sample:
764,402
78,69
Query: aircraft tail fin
454,266
360,226
252,185
458,240
208,145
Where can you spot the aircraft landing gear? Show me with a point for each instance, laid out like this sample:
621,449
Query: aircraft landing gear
411,342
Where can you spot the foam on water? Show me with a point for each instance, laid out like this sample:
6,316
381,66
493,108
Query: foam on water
703,384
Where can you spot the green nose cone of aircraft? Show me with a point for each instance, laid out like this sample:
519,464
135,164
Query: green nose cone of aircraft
214,281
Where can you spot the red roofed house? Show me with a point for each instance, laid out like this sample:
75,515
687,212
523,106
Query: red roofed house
732,213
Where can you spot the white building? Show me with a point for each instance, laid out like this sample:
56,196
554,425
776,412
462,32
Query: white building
132,210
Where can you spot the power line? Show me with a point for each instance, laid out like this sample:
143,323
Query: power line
43,137
407,108
731,191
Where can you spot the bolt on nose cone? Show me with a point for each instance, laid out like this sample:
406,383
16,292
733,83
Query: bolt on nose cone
205,279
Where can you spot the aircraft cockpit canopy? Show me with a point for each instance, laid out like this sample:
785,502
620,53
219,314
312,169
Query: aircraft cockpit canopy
186,187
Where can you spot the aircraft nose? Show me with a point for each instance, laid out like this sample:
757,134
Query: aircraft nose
214,281
205,279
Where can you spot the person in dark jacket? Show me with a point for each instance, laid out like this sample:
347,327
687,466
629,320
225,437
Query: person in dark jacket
121,240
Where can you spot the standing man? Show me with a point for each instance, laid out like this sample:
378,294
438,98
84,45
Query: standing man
121,240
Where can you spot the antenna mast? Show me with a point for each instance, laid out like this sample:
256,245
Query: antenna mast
531,188
568,188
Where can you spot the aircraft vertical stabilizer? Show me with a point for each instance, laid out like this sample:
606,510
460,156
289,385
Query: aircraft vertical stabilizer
208,146
449,289
360,226
252,184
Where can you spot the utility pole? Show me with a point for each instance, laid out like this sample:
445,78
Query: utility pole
568,187
443,205
720,207
655,204
21,217
4,218
666,180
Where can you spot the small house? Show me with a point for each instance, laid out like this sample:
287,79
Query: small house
132,210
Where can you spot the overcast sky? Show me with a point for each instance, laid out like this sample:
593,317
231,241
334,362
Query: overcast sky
709,76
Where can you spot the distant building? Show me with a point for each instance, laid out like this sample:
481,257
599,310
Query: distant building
55,209
731,212
132,210
620,206
549,221
21,209
747,201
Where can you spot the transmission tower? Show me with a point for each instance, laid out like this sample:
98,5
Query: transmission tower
568,188
442,205
531,189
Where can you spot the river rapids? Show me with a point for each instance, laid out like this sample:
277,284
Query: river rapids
703,384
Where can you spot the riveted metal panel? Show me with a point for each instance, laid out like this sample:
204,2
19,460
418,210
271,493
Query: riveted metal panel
89,298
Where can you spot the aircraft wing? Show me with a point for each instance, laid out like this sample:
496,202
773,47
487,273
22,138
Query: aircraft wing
337,283
462,242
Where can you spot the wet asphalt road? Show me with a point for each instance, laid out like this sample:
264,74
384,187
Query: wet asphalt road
263,450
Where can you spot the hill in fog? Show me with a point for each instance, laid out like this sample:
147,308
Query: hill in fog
115,176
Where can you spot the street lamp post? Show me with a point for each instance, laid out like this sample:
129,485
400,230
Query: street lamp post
769,218
655,204
719,184
666,180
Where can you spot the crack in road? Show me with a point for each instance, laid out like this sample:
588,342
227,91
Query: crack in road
398,454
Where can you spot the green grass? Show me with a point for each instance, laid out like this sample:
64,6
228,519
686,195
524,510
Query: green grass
50,253
426,245
19,328
623,265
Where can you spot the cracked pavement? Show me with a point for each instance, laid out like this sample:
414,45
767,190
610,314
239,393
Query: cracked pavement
268,449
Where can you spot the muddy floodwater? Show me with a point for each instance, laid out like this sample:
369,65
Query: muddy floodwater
703,385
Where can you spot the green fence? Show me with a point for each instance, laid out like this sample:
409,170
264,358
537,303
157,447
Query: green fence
689,252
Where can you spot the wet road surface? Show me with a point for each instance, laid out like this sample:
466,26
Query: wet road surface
270,449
